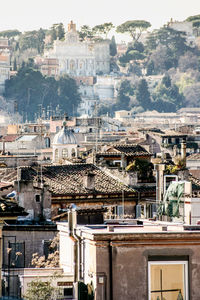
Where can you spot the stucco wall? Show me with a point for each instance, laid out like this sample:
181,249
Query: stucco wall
130,264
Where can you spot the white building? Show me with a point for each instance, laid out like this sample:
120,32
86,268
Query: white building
4,63
80,58
64,145
87,107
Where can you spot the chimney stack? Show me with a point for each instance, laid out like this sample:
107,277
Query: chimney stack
72,219
183,151
89,181
159,181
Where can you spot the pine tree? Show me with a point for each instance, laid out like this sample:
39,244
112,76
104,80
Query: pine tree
15,65
113,47
143,95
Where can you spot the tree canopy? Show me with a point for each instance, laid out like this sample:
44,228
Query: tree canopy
166,96
134,28
31,89
103,28
10,33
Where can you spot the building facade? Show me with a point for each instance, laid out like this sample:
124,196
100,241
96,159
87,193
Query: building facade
149,261
4,63
76,58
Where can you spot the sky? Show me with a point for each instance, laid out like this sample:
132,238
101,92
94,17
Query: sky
27,15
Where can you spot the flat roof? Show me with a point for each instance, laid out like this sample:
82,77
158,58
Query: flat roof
104,231
27,138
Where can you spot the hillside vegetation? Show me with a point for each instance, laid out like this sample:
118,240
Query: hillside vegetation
160,71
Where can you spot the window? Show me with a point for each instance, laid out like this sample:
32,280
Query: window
37,198
46,248
16,254
68,292
168,280
64,153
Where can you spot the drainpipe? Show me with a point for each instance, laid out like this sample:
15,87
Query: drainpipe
72,225
110,269
72,222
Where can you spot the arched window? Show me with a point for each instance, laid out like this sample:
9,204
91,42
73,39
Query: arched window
64,153
82,64
72,65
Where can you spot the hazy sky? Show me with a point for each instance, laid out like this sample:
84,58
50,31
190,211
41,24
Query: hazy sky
33,14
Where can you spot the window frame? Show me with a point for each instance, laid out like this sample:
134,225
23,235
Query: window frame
169,262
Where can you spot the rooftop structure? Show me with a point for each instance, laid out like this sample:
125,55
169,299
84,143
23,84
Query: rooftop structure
133,260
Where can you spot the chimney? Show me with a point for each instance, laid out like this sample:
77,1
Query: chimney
123,161
72,220
89,181
183,151
132,178
159,181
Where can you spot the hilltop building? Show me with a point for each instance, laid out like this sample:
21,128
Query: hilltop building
4,63
76,58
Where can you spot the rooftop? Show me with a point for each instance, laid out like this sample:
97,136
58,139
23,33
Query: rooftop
10,208
194,156
127,149
67,179
9,138
27,138
149,231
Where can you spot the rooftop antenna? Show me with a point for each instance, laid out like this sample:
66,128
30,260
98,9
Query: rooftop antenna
96,131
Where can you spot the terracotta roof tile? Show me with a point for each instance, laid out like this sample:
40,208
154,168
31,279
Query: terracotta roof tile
9,138
10,208
194,156
128,150
69,179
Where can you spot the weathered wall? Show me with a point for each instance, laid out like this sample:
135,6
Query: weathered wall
130,264
33,236
28,200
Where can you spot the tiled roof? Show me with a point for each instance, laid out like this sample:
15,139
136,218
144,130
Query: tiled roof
5,185
133,149
194,156
8,174
9,208
195,182
9,138
69,179
128,150
195,173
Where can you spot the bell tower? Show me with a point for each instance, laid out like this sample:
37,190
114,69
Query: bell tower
71,26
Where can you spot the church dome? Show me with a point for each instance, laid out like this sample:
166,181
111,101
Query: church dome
64,137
